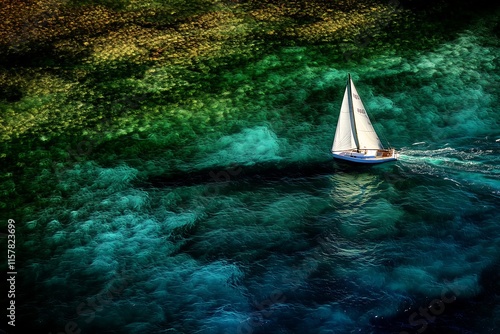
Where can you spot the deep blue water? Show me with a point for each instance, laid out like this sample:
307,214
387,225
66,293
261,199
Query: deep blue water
258,230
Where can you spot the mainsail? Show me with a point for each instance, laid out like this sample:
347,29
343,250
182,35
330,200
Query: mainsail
354,129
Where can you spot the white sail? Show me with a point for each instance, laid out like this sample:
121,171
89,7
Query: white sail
355,138
344,139
367,137
354,129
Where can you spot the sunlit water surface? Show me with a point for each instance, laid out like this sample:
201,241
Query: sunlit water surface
261,232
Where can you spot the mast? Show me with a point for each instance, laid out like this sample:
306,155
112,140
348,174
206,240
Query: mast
351,112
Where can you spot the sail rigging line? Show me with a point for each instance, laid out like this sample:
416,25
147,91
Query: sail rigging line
372,116
351,112
355,137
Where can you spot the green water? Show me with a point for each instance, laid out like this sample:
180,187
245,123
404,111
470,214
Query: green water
196,193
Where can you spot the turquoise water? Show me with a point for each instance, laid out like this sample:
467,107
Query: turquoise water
248,226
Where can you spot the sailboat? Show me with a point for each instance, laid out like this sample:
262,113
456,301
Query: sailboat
355,138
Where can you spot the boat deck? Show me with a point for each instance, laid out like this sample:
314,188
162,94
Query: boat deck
367,156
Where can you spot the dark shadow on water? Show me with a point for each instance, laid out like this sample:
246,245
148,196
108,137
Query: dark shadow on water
259,172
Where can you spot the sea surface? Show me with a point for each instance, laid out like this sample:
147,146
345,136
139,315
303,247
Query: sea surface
232,217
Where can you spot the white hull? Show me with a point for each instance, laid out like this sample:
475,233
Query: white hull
355,138
367,157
